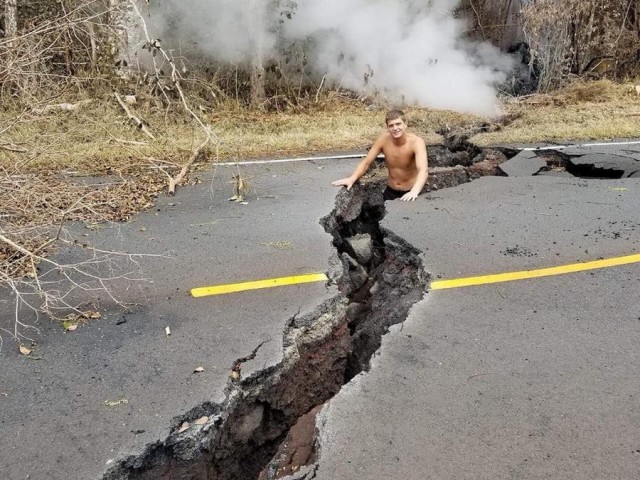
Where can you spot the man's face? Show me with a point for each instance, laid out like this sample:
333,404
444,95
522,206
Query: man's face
397,127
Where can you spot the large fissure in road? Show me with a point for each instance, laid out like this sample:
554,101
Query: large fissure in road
379,277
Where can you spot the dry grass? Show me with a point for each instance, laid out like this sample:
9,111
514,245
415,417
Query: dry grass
599,110
98,139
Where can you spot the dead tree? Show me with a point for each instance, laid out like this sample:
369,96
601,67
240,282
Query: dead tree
593,38
257,59
10,18
33,225
125,33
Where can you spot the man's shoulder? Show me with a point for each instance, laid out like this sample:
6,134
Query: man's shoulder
384,137
415,140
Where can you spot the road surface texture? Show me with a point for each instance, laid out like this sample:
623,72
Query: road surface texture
54,420
528,379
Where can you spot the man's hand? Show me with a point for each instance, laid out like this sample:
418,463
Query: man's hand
347,182
409,197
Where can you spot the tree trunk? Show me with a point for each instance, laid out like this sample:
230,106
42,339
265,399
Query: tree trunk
125,32
11,18
258,93
257,13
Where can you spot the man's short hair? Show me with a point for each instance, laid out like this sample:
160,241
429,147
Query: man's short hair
394,114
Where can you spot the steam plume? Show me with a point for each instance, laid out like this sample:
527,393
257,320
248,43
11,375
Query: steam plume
409,50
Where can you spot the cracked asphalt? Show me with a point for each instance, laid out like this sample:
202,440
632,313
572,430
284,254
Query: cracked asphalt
528,379
54,422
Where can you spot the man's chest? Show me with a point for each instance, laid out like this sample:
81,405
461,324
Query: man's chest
399,156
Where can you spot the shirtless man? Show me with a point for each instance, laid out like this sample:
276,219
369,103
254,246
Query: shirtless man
405,155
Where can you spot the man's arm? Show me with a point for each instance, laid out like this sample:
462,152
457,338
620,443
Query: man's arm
363,166
423,171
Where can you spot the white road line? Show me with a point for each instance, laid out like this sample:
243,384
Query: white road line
562,147
362,155
291,160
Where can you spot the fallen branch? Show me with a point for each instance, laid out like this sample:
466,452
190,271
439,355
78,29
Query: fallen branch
13,148
65,107
320,88
34,211
138,123
153,45
130,142
185,168
17,247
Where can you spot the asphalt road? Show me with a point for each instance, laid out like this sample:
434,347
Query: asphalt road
528,379
54,422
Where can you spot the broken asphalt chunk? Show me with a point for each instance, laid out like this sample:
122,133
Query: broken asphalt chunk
525,164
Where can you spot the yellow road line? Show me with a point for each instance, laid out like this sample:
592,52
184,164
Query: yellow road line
543,272
258,284
437,285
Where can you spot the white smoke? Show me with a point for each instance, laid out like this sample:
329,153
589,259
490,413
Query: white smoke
412,51
226,30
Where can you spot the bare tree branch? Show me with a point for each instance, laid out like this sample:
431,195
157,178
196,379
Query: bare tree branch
138,123
176,79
